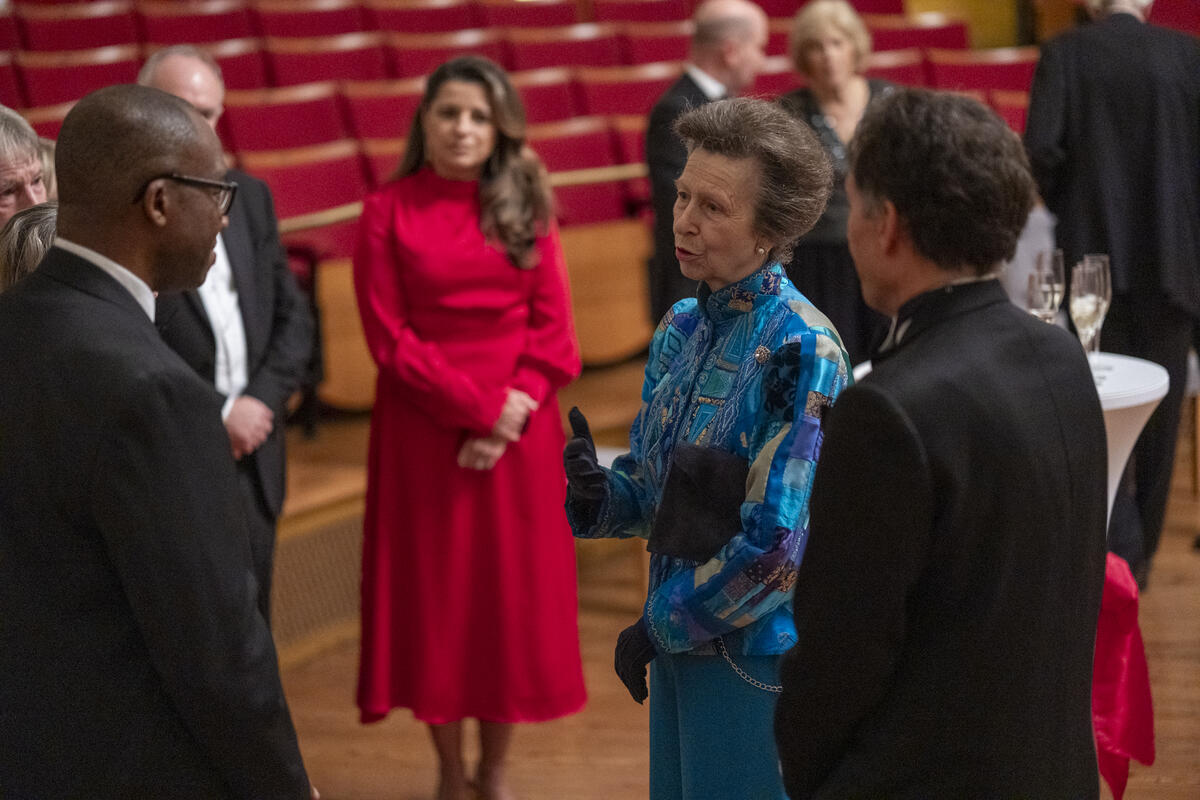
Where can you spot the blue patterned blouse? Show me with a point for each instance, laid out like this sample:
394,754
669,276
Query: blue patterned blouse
748,369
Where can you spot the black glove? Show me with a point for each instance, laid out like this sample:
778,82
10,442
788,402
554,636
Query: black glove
587,486
634,651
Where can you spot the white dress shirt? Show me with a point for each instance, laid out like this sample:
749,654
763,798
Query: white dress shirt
220,299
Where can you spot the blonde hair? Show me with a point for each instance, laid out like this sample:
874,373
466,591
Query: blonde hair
822,15
24,239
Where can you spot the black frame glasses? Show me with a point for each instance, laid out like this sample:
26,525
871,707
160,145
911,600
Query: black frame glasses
223,192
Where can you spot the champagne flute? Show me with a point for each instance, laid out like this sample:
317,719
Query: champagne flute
1090,296
1046,285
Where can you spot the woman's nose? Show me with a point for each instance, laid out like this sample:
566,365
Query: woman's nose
683,219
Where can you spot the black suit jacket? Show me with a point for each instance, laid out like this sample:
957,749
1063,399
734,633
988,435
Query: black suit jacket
666,156
946,605
1114,138
276,318
135,663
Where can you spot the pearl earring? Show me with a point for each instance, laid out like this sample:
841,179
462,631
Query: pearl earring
761,251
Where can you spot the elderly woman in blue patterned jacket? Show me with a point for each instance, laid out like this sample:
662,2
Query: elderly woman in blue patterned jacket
722,455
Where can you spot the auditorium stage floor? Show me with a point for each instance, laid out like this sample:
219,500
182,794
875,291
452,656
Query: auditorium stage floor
601,753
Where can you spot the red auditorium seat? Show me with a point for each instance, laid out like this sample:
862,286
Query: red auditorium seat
1012,107
625,90
382,109
310,179
420,53
648,42
47,120
630,131
878,6
906,67
777,77
548,94
897,31
423,16
1182,15
345,56
528,13
11,94
76,26
242,63
171,22
8,31
56,77
383,157
580,143
1009,68
587,44
640,10
780,9
284,118
309,17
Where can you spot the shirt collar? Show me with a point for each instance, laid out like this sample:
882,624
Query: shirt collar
933,300
713,89
732,301
133,284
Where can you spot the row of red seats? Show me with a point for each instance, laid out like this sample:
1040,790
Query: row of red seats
311,179
83,25
30,79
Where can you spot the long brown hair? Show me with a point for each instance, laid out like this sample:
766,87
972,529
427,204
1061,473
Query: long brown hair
514,191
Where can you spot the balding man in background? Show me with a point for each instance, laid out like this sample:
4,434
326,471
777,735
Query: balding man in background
247,330
21,184
136,663
727,52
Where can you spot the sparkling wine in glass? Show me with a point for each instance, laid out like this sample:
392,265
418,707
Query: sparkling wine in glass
1090,296
1046,285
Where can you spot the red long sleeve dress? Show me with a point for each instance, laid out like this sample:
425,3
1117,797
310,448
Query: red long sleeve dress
469,605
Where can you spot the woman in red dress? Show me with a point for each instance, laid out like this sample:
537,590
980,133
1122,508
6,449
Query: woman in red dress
468,593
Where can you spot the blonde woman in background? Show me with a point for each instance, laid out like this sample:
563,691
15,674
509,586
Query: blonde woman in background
829,45
24,240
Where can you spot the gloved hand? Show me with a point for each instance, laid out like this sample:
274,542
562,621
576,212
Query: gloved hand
587,487
634,651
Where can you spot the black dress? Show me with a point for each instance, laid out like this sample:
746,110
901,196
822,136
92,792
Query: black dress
821,267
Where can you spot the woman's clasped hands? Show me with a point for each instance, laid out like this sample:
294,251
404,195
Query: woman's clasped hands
483,452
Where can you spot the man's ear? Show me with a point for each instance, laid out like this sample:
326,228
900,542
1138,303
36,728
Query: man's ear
891,229
156,205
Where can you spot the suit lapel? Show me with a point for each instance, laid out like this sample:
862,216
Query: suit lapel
240,250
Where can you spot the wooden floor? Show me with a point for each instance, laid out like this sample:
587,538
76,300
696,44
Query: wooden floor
601,753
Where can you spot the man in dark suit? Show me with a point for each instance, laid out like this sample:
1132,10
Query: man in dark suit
1114,138
247,329
135,661
946,605
727,51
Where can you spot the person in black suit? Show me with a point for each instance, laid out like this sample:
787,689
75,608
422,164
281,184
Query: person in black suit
135,660
727,51
947,601
1114,137
247,329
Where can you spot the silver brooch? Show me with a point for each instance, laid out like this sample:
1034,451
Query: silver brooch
761,354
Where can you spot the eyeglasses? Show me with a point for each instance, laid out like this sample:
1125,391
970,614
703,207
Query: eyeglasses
223,192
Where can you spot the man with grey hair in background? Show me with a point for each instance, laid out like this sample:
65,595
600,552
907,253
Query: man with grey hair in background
247,329
21,184
136,663
727,52
1114,140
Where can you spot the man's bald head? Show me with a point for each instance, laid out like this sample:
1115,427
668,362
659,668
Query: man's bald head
116,139
188,73
729,40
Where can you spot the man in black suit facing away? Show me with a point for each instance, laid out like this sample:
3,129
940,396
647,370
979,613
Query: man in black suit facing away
135,661
727,51
1114,138
947,601
247,330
